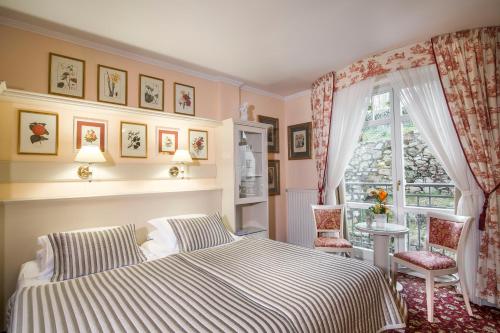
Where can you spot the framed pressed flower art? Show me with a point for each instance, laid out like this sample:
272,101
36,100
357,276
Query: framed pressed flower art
90,132
66,76
184,99
299,141
167,141
150,92
134,140
111,85
38,133
273,143
198,144
273,176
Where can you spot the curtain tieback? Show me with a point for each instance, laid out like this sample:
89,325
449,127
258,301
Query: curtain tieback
482,217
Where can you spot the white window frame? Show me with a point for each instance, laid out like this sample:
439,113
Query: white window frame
398,207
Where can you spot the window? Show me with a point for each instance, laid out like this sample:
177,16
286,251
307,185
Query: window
392,155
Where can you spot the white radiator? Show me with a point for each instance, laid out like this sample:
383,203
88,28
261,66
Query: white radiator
300,220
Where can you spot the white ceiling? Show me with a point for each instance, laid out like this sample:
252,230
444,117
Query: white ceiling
276,45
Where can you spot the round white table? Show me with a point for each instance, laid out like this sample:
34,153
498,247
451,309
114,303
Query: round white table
382,234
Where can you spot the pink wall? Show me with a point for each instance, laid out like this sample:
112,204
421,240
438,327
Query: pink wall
299,173
24,65
25,59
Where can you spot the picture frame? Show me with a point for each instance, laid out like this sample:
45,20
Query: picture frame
273,177
112,85
66,76
168,141
90,132
133,140
151,93
198,144
273,139
184,99
299,141
38,133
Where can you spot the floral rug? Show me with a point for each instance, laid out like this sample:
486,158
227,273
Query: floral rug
450,314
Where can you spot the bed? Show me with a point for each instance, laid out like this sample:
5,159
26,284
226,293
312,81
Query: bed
195,276
255,285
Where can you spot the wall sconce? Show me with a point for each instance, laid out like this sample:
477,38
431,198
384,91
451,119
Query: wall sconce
182,157
89,155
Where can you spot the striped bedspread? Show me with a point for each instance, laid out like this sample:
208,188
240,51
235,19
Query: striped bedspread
246,286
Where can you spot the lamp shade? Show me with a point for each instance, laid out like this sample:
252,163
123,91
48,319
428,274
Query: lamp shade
90,154
182,156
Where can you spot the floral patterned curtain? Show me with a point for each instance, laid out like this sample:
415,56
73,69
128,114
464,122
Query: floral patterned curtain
469,68
321,106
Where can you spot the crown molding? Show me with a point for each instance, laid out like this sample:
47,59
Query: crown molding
22,25
26,26
297,95
258,91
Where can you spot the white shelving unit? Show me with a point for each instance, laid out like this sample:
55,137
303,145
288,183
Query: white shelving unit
242,174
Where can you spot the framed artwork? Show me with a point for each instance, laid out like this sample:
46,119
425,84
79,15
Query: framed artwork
273,143
38,133
151,92
167,141
111,85
89,132
183,99
299,141
273,177
134,140
66,76
198,144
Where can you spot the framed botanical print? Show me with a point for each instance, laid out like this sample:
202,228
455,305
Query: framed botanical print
134,140
183,99
299,141
38,133
167,141
151,92
198,144
111,85
66,76
273,143
89,132
273,177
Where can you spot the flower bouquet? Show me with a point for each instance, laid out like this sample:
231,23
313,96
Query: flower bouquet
379,209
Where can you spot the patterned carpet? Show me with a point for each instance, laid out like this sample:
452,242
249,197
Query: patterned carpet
449,310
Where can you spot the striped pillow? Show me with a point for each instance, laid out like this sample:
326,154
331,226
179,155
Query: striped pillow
200,232
83,253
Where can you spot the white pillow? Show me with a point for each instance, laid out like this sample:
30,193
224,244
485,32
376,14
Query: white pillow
45,256
163,232
155,250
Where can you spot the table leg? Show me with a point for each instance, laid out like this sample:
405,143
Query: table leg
381,252
381,255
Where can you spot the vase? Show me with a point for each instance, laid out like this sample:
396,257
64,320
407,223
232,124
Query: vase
380,220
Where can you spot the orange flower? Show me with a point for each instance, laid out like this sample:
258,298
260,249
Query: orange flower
382,195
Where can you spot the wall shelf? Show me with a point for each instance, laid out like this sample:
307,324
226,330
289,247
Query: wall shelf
26,96
21,192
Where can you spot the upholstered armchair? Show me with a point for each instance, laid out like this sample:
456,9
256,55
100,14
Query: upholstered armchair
444,232
328,223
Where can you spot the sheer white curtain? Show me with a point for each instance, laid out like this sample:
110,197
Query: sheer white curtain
423,97
349,112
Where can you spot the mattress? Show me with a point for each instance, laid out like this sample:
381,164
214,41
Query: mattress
254,285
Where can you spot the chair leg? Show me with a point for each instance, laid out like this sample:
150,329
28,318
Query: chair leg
429,291
394,272
465,295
